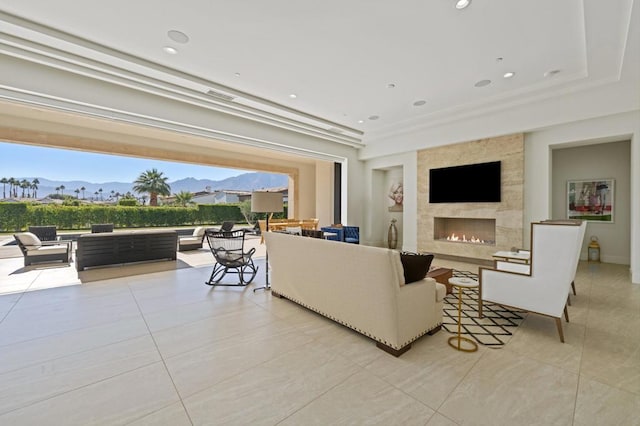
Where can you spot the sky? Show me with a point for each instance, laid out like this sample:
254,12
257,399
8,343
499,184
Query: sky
20,161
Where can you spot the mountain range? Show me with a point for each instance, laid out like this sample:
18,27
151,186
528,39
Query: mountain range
243,182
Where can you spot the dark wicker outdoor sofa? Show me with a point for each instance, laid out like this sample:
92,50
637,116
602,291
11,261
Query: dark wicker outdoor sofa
113,248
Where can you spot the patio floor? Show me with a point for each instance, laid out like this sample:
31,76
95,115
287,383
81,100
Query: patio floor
16,278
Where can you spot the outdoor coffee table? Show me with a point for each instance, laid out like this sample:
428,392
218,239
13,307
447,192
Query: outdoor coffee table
456,341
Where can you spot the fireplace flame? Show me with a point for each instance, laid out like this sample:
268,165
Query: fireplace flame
464,239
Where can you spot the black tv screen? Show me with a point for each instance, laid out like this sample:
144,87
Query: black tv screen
470,183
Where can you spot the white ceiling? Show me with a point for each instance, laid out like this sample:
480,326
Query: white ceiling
339,56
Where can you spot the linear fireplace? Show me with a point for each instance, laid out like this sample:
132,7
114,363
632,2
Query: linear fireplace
465,230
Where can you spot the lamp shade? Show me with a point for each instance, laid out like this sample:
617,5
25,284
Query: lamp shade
267,202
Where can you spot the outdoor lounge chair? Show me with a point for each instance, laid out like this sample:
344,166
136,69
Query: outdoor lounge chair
228,250
45,233
35,251
193,241
98,228
227,226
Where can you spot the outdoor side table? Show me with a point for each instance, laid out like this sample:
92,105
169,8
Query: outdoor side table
456,341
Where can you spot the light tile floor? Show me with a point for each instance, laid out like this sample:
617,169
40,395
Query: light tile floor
162,348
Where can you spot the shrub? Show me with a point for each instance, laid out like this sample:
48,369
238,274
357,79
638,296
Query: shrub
127,202
17,216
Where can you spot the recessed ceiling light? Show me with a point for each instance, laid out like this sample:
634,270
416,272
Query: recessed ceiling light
237,74
178,36
419,103
360,121
483,83
293,96
390,86
170,50
509,74
374,117
461,4
551,73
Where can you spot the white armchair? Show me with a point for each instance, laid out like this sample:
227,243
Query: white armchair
542,286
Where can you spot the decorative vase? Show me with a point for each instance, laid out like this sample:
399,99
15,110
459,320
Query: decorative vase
392,235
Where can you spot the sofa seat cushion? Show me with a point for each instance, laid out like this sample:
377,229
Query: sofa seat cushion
29,239
415,266
47,250
198,232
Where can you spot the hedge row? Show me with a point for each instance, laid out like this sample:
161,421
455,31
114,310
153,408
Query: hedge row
19,216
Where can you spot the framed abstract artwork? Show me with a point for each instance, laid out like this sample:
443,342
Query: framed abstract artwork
591,200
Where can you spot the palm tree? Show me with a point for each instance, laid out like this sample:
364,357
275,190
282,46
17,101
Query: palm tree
154,183
34,186
4,182
13,187
62,187
57,189
24,184
82,188
184,198
77,191
96,195
100,191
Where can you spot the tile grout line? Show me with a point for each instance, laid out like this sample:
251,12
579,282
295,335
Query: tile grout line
164,363
323,393
20,298
75,389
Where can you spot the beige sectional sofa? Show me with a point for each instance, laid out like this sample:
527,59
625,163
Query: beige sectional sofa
358,286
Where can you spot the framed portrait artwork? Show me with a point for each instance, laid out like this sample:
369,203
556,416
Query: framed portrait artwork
396,197
591,199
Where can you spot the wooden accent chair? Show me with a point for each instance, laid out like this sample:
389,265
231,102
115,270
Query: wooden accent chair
542,286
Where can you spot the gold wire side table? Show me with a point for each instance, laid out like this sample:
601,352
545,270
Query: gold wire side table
456,341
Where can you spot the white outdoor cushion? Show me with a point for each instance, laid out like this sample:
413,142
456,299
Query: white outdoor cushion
188,240
46,250
198,232
297,230
29,239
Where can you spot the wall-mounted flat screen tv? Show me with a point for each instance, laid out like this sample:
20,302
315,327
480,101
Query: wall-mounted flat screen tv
470,183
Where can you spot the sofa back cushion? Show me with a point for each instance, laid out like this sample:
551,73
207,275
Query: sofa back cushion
28,239
415,265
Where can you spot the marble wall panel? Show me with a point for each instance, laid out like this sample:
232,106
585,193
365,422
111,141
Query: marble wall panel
509,213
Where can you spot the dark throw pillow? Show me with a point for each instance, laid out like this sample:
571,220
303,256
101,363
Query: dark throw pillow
416,266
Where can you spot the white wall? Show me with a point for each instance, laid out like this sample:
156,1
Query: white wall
376,176
324,193
538,180
537,174
599,161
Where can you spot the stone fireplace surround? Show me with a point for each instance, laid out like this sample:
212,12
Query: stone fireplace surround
507,214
